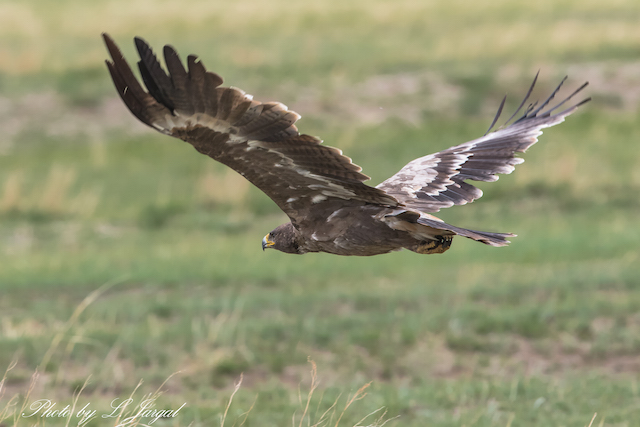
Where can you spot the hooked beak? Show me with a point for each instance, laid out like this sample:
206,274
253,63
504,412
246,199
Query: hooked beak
266,243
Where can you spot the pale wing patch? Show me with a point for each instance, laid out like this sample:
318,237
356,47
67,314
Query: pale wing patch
318,198
437,181
335,214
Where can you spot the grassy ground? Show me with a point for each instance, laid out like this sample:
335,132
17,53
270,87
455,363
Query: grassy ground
126,256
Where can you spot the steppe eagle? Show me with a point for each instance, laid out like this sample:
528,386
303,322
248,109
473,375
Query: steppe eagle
321,190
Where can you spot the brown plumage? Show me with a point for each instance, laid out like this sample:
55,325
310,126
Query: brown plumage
321,190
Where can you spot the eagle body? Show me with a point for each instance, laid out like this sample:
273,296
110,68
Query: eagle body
321,191
362,230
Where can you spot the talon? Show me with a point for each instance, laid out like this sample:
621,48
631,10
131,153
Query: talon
438,246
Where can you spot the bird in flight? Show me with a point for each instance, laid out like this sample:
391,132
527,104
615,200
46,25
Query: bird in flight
322,192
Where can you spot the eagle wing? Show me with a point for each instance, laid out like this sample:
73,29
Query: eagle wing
437,181
257,140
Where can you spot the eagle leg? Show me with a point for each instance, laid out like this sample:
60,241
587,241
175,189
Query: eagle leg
438,246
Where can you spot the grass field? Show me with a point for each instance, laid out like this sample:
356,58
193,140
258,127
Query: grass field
126,256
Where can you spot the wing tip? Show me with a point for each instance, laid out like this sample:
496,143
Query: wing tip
112,47
532,112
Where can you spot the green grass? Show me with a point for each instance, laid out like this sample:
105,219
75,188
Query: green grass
127,256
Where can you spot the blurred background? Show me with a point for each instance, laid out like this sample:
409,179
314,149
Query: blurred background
126,255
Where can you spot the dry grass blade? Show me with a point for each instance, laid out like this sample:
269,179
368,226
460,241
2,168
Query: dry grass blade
357,396
6,411
89,299
75,402
246,414
25,402
226,409
129,420
380,421
312,388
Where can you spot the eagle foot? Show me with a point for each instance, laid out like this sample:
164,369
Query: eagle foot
438,246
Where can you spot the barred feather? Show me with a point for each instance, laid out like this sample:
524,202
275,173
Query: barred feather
436,181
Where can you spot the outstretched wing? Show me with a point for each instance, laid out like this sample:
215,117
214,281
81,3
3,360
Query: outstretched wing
437,181
258,140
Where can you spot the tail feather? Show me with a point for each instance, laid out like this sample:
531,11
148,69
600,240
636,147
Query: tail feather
486,237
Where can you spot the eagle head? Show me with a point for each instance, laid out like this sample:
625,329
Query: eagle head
283,238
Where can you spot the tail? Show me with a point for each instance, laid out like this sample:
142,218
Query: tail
486,237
